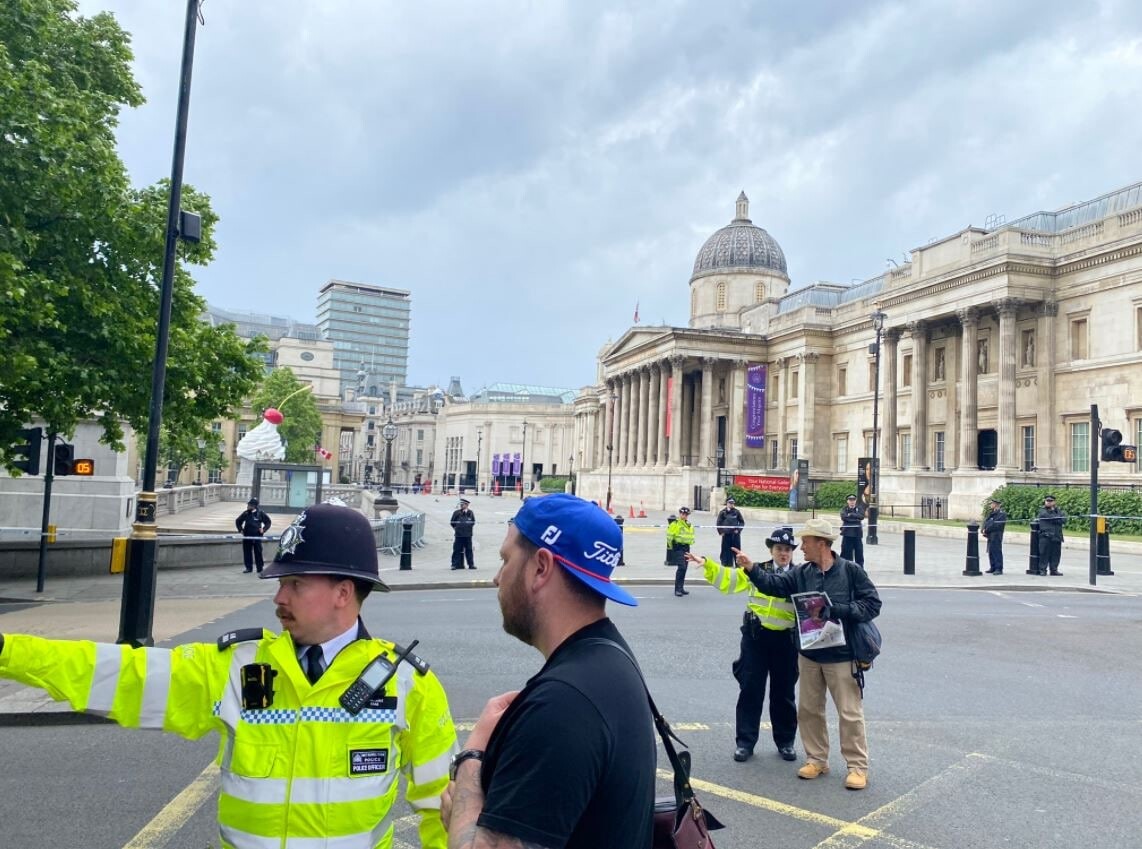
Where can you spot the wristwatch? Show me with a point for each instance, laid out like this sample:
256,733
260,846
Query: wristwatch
460,757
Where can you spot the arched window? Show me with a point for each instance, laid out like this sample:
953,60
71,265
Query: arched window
721,297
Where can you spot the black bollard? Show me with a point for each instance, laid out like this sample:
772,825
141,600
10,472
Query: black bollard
1033,557
406,545
909,552
619,521
971,562
1103,549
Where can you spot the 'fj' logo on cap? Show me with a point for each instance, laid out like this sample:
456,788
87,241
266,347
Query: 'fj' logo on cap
551,535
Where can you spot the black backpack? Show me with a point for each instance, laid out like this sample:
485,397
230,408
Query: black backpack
864,639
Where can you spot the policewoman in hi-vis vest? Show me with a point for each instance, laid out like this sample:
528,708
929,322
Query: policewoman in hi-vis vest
767,650
317,724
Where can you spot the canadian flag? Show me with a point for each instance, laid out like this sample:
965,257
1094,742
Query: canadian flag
324,454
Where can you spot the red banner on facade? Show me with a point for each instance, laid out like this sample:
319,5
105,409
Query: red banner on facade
763,483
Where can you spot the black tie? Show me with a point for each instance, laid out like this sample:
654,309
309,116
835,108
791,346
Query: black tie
314,663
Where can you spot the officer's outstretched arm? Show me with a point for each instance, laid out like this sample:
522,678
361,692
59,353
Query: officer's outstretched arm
725,579
170,689
428,744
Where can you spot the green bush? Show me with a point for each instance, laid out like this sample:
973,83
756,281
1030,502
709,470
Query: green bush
1022,503
831,495
553,483
752,498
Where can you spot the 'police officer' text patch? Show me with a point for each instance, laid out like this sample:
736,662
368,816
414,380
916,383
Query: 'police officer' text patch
368,761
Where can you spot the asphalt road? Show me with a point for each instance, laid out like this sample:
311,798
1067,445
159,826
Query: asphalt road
995,720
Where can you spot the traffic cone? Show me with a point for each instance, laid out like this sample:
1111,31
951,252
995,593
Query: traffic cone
641,511
631,512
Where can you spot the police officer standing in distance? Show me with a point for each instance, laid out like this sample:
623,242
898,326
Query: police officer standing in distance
852,543
993,527
462,522
252,523
730,523
1051,520
297,767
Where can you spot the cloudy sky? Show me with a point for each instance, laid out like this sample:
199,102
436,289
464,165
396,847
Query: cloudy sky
532,170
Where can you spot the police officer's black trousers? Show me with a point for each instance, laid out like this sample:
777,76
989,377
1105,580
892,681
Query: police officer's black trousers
771,655
252,553
1050,550
852,548
730,540
995,555
680,551
461,551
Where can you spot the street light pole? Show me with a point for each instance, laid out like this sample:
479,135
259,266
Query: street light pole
878,318
571,466
611,450
137,609
522,459
479,444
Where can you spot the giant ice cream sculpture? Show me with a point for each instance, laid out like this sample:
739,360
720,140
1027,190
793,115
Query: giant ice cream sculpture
262,443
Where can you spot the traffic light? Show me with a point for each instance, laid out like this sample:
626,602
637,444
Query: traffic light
1113,451
29,449
64,457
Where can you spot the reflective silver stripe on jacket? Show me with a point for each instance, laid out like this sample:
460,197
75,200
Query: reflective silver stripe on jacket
105,677
432,770
363,840
306,791
156,688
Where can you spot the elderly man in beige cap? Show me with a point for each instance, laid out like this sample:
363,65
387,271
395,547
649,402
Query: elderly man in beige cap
852,598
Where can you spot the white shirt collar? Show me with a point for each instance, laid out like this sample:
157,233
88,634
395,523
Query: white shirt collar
330,648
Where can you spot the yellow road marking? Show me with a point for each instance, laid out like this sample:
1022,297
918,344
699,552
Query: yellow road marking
167,822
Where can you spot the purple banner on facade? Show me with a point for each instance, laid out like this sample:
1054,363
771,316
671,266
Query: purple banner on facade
495,464
516,463
755,406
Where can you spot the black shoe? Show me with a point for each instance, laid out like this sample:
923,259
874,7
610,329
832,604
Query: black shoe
471,567
247,571
741,754
457,568
678,594
997,572
787,753
1057,573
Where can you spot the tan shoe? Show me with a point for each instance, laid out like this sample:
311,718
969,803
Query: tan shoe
812,770
856,780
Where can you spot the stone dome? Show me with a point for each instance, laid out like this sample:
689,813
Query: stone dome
739,246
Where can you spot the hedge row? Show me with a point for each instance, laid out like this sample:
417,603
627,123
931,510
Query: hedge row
830,495
1022,503
553,483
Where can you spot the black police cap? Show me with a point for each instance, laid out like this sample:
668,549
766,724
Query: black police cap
328,539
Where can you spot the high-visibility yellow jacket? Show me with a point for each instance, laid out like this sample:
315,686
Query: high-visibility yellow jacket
775,613
680,532
301,772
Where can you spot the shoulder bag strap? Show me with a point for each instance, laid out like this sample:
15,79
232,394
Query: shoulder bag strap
679,762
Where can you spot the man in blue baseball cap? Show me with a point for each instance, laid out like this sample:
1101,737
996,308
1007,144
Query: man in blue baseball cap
569,760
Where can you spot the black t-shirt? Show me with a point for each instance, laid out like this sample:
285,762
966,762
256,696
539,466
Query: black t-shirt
571,762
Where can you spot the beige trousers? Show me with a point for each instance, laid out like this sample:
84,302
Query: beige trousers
837,678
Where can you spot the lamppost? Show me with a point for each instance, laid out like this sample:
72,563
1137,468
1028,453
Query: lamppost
201,459
479,443
611,449
878,318
522,459
137,609
388,434
571,466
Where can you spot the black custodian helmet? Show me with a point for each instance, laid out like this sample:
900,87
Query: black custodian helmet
328,539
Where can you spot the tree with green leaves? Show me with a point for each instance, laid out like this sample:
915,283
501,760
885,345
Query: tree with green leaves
301,428
81,251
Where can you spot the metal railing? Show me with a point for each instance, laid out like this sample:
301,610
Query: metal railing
390,530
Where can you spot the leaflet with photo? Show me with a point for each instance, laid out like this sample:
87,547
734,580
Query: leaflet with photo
813,631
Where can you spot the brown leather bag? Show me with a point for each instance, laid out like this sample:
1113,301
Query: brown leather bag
680,822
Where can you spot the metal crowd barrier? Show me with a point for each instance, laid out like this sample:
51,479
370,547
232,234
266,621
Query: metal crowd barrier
390,530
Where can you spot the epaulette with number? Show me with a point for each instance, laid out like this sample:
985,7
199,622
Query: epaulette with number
418,663
242,635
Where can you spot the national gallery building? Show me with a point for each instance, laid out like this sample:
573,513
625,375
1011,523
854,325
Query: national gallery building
989,362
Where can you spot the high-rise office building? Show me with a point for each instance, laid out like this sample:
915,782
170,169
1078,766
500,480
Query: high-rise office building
368,326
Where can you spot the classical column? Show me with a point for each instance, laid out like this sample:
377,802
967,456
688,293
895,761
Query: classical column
919,332
781,368
643,415
1006,412
652,414
807,408
888,359
608,425
706,416
1045,418
735,418
969,390
631,418
621,421
687,423
662,414
675,439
